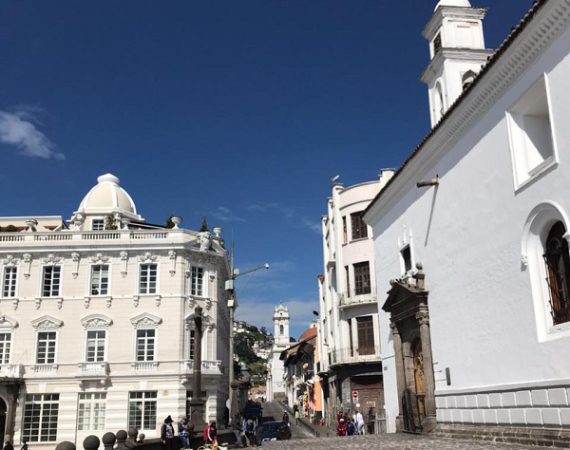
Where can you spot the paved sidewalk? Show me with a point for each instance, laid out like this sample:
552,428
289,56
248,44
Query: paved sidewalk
389,442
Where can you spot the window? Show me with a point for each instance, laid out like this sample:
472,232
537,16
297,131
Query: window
191,342
359,228
40,418
45,353
5,347
98,224
51,281
350,338
281,330
91,411
437,43
558,270
197,282
347,275
406,255
145,345
530,132
99,280
142,410
9,287
344,230
147,281
96,346
365,330
362,278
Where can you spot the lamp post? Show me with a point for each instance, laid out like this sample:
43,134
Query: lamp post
232,305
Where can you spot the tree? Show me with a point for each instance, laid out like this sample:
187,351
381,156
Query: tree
169,222
110,223
204,225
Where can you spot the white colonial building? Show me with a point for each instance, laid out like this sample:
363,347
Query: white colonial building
348,326
473,229
275,368
96,321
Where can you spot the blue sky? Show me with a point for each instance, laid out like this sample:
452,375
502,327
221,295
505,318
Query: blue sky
240,111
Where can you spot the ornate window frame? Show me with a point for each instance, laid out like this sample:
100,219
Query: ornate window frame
96,322
535,231
46,323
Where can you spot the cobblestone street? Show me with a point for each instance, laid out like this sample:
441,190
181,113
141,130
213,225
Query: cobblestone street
388,442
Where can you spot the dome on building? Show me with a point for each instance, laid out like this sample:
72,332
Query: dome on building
107,197
460,3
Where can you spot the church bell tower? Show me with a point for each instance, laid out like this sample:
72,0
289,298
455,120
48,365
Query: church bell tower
281,326
457,52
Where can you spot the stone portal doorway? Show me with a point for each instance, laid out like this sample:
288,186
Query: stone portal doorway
3,414
407,304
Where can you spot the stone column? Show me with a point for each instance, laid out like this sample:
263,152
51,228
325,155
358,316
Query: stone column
13,390
423,320
197,402
400,376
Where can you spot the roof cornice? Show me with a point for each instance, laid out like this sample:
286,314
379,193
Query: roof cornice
442,12
539,27
459,54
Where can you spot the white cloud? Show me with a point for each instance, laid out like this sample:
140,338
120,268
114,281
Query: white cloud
312,225
225,215
20,129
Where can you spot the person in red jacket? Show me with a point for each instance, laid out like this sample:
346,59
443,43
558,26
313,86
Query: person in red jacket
341,427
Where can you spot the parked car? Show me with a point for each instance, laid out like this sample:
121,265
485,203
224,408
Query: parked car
274,431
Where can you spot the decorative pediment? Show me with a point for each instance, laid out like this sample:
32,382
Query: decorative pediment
146,320
7,322
147,257
9,260
96,321
51,259
47,323
207,321
99,258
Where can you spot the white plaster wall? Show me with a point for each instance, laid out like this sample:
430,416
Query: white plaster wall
468,235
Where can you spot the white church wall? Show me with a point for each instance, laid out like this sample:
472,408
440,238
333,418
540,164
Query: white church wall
486,327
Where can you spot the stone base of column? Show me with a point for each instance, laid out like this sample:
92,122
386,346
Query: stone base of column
197,414
429,424
399,424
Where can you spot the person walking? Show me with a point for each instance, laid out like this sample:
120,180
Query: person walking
341,427
286,418
183,432
297,414
167,434
24,445
359,419
213,435
8,446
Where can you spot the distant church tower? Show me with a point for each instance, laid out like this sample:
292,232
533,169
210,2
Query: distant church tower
457,52
276,370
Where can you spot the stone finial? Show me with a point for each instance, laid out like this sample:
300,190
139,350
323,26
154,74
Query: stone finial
91,443
121,439
132,439
65,445
109,440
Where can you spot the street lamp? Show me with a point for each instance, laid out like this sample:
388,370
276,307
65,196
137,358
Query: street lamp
232,305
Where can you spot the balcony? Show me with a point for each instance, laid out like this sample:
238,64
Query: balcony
357,297
144,366
11,370
70,238
43,370
360,355
93,370
208,367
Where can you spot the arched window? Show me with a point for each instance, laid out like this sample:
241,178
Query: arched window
281,330
558,273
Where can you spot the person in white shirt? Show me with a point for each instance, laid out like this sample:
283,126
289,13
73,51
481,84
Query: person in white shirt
359,419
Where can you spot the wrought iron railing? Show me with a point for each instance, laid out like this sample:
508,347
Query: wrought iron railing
355,355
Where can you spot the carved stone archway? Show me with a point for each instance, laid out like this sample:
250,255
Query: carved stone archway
407,304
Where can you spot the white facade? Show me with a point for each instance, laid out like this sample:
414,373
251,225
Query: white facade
348,326
99,321
503,158
275,367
